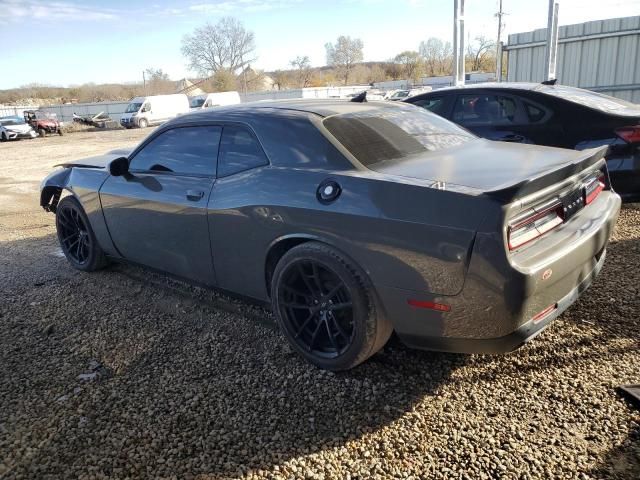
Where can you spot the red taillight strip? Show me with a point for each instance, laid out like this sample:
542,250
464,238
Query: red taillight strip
592,192
440,307
544,313
629,134
556,207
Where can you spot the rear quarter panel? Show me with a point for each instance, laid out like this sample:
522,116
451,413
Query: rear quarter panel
404,236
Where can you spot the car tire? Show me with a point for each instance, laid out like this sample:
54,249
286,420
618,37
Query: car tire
3,138
327,308
42,132
142,123
76,237
60,132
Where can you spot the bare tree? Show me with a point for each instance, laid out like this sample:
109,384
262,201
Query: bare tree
281,79
344,54
227,45
479,52
304,72
437,56
411,64
155,74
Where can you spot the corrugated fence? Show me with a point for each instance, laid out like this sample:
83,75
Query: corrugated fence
602,55
65,112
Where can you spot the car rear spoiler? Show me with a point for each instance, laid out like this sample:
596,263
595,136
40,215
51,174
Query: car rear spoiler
510,192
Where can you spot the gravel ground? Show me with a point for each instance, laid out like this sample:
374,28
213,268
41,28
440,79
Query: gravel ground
126,373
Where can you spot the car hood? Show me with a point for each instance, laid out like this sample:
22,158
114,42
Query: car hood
22,128
491,166
101,161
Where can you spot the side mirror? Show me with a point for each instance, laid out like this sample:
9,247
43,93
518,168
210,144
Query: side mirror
119,166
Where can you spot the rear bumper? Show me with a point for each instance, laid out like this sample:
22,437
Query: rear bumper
503,294
521,335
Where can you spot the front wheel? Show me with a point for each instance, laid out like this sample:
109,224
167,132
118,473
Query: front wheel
3,137
142,123
42,132
326,307
77,240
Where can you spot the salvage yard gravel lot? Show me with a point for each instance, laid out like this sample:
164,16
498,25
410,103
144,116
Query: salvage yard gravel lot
127,373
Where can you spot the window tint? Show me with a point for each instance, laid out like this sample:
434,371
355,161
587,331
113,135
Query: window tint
187,150
239,151
376,135
484,110
535,114
437,105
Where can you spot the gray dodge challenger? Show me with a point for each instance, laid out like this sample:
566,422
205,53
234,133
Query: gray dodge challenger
354,220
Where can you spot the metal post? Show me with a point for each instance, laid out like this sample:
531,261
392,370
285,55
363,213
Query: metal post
552,40
499,45
458,42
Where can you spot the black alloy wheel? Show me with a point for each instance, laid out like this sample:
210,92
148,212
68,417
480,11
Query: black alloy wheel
326,307
316,306
76,238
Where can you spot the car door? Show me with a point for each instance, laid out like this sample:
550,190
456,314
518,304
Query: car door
157,213
236,223
492,116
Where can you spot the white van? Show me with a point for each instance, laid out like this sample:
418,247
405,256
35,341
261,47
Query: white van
144,111
218,99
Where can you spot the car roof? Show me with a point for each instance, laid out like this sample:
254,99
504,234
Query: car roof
495,85
320,107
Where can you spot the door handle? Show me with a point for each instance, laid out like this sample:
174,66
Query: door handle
194,195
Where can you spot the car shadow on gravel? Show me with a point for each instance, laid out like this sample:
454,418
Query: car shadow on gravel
197,384
191,383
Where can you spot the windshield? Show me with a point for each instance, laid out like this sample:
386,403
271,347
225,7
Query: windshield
133,107
401,94
380,134
12,121
197,102
591,99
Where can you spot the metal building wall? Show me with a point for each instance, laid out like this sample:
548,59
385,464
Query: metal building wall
603,55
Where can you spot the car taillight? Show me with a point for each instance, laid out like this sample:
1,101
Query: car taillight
593,188
533,226
629,134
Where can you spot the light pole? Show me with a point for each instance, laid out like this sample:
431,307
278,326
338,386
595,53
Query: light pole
458,42
552,41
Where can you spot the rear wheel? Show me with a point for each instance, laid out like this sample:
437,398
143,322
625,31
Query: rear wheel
326,308
77,240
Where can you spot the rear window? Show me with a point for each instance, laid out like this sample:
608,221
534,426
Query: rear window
377,135
598,101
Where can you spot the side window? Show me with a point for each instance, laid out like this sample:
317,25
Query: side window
239,151
534,113
146,107
484,110
186,150
437,105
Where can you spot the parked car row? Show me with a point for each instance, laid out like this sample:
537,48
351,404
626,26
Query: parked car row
552,115
33,123
353,220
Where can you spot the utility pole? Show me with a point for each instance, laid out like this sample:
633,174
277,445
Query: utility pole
144,83
552,41
499,45
458,42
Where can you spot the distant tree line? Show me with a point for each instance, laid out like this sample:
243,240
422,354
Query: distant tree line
221,55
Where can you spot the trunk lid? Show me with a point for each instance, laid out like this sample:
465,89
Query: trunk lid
502,170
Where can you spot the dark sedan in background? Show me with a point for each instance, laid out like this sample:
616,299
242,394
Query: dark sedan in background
552,115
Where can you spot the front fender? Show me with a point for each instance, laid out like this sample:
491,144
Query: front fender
51,188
